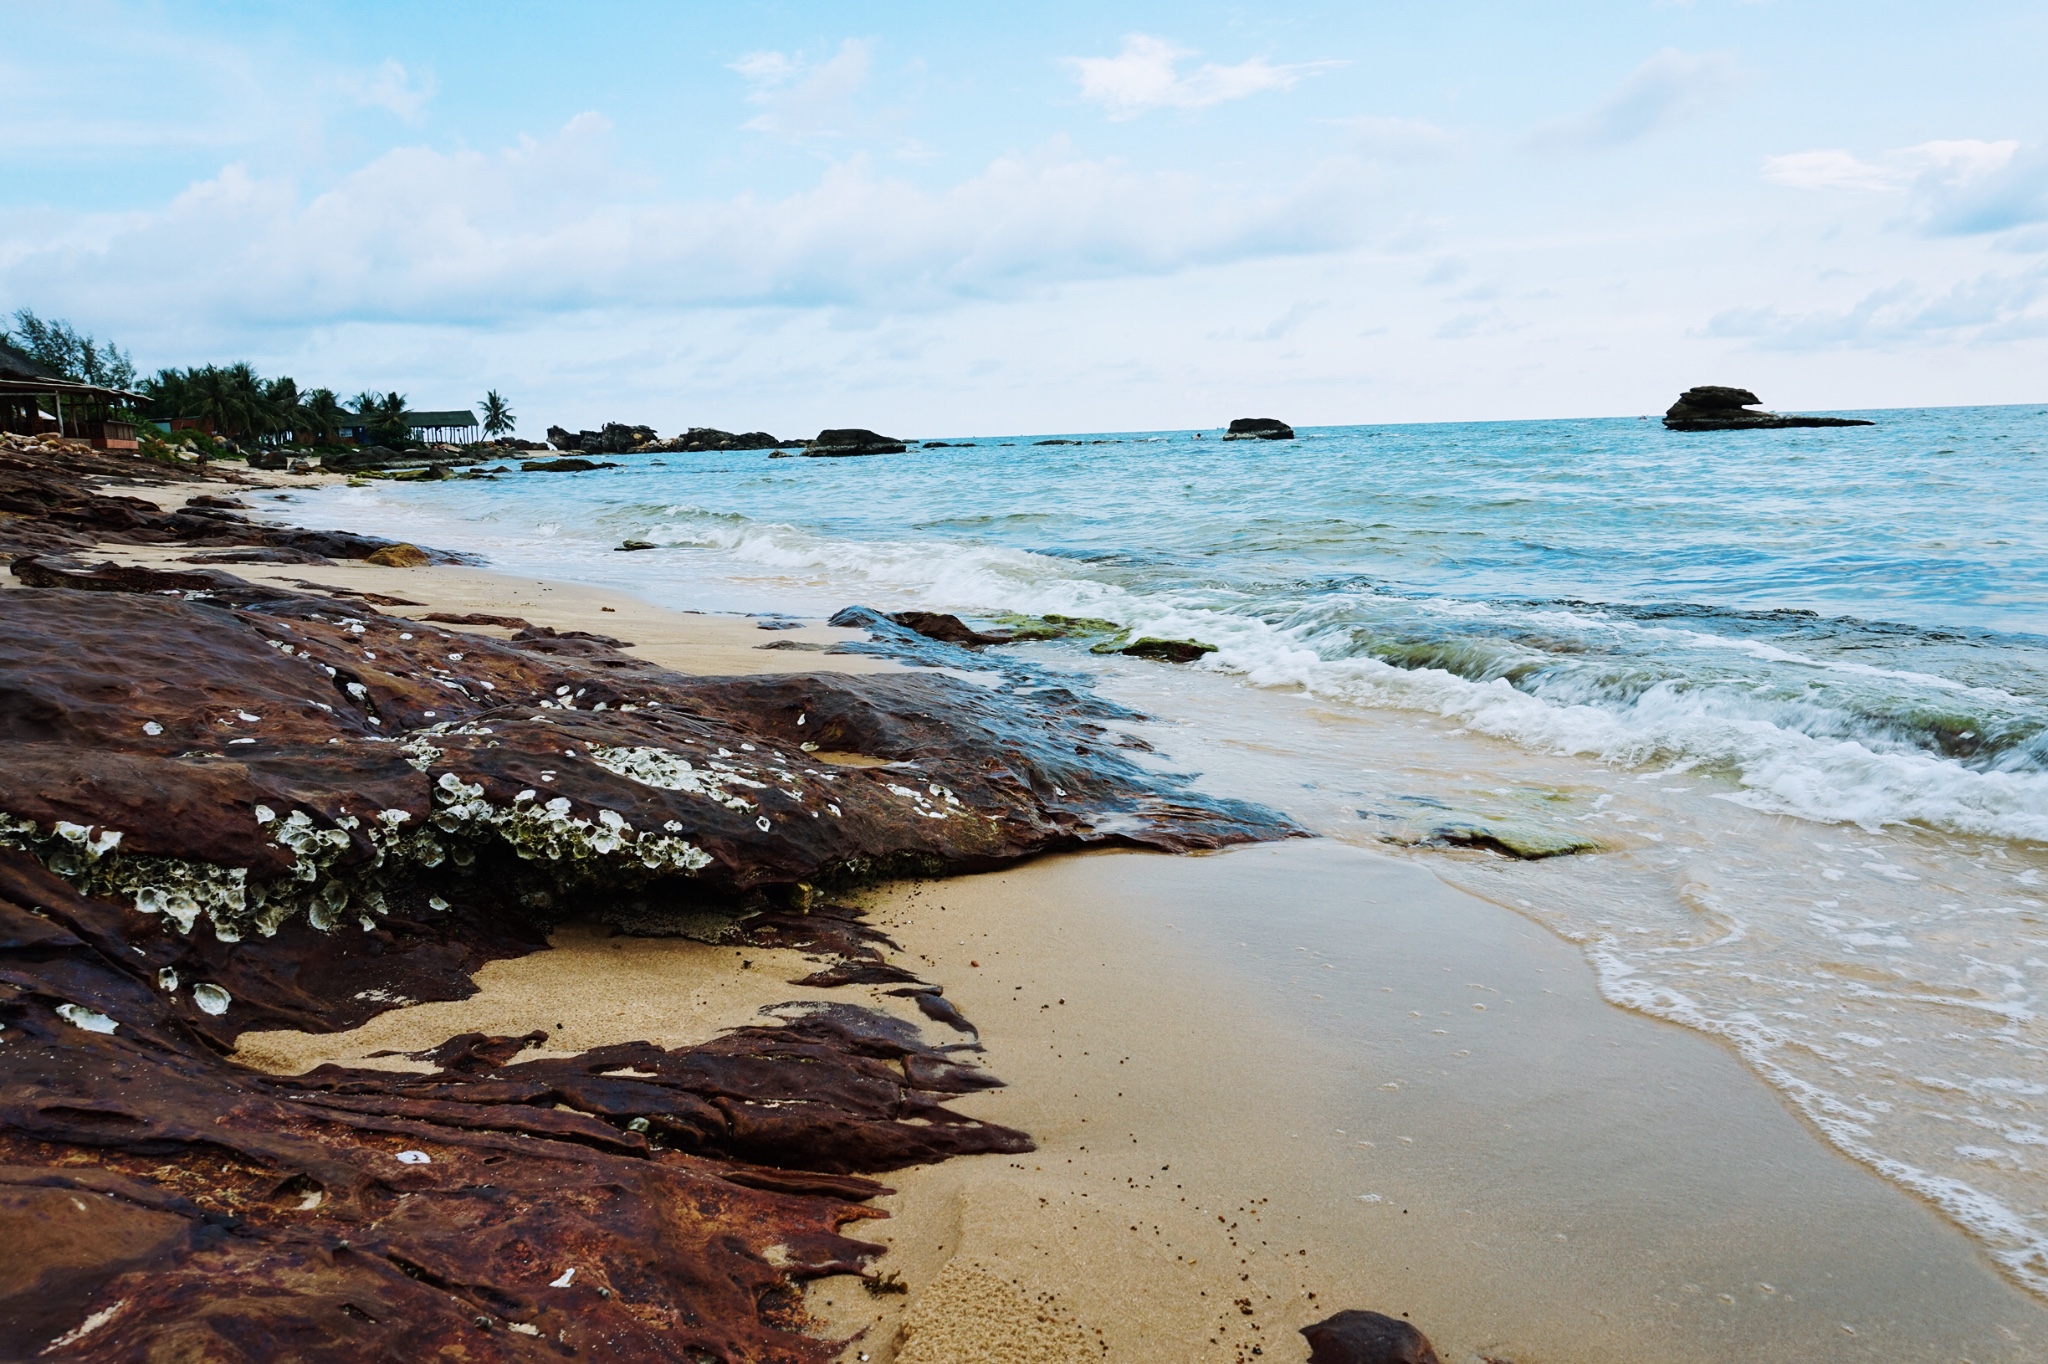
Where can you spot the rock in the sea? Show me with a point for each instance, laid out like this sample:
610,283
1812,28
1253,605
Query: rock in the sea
569,465
949,628
711,438
1168,650
617,438
840,441
631,545
1259,428
400,556
1712,407
1356,1337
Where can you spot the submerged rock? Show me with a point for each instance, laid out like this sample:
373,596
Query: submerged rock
1358,1337
1715,408
1259,428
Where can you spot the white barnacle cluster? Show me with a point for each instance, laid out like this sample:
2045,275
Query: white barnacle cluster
926,805
90,859
421,754
181,891
549,830
657,767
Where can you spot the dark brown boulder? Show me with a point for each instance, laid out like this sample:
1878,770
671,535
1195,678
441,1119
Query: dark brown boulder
1259,428
841,441
947,628
616,438
1356,1337
1712,407
570,465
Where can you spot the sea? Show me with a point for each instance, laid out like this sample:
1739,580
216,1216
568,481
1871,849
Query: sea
1783,695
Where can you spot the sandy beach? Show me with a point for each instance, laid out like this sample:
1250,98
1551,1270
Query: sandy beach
1266,1085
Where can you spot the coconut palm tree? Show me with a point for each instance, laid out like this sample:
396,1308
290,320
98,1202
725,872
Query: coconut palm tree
366,404
213,399
324,415
391,418
498,418
284,413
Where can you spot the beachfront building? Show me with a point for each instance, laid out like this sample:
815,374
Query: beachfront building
456,427
35,400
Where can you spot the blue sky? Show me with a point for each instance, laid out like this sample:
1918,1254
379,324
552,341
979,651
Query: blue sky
940,219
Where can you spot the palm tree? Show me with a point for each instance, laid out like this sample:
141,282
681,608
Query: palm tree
366,404
211,396
324,415
281,398
169,392
389,418
498,418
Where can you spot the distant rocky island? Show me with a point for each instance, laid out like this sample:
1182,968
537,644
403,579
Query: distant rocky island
839,442
1259,428
1714,408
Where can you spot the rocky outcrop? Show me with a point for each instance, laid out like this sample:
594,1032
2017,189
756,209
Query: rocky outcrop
228,806
1259,428
840,442
710,438
363,458
1714,408
617,438
62,499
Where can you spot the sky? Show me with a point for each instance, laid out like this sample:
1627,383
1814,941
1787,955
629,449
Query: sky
936,219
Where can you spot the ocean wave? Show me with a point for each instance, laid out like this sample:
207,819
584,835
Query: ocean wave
1873,746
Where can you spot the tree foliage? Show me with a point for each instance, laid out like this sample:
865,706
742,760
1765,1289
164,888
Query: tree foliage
497,415
240,403
61,348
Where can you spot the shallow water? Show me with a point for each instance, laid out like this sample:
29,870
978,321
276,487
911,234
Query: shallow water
1786,681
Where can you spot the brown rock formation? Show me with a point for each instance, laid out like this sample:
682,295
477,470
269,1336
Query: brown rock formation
1714,408
225,806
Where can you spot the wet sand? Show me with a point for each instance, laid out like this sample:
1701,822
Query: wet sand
1268,1085
1395,1095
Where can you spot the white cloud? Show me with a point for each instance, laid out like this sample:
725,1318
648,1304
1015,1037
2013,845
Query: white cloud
1961,159
1146,75
1830,168
801,99
1956,187
389,86
552,225
1993,307
1671,87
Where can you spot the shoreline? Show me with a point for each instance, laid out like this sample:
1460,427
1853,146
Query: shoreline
1220,1037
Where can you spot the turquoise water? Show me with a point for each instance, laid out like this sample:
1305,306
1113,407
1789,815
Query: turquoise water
1750,602
1793,686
